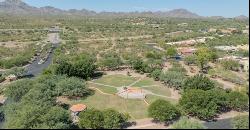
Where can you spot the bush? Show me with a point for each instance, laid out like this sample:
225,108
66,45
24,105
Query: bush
91,119
230,65
189,60
238,101
198,82
163,110
156,74
113,119
185,123
241,122
173,79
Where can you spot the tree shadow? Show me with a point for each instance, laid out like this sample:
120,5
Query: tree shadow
97,75
128,124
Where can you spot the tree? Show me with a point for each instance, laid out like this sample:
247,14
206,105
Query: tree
171,52
238,101
72,87
198,82
91,119
82,66
163,110
202,57
113,119
200,103
185,123
241,122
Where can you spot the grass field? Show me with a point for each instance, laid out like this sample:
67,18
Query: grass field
116,80
137,108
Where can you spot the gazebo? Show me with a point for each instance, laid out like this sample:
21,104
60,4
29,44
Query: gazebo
75,110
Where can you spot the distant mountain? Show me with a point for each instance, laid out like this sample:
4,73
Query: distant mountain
19,7
241,17
181,13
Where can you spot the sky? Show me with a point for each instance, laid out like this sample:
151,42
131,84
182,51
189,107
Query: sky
226,8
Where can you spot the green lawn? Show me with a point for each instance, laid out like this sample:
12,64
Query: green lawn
116,80
104,88
151,98
161,90
136,108
145,82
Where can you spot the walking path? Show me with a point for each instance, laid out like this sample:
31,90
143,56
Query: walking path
102,84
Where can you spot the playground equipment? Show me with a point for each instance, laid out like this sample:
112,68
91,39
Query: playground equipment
131,93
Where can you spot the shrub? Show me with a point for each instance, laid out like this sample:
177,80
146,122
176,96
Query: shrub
163,110
241,122
185,123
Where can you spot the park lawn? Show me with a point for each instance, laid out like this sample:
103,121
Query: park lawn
118,80
137,109
161,90
104,89
145,82
151,98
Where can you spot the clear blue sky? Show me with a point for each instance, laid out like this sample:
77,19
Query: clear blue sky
226,8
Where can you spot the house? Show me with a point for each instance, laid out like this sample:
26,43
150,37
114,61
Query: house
75,110
186,51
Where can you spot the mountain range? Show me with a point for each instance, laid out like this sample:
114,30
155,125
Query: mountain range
18,7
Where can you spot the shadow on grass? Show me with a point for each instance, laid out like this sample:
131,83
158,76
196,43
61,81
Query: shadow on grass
128,124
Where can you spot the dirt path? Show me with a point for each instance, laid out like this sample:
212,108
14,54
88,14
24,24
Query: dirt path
102,84
167,66
101,91
147,124
226,84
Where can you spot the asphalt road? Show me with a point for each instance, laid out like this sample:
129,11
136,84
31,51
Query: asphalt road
34,69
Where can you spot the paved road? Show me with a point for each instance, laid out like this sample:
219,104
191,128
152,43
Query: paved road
34,69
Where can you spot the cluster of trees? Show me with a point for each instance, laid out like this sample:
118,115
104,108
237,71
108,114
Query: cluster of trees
145,66
106,119
203,100
201,58
175,76
33,102
110,61
82,65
